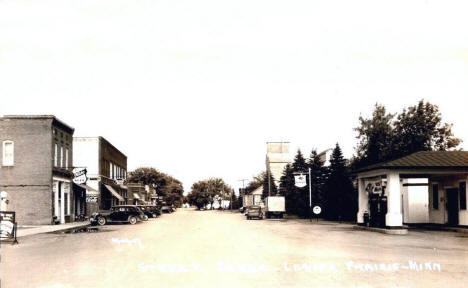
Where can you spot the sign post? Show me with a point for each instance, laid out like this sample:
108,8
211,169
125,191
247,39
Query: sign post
300,180
317,210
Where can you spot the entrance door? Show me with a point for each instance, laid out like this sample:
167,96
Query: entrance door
452,206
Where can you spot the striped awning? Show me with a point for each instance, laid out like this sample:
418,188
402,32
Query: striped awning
114,193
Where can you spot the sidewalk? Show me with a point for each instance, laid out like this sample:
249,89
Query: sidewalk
28,231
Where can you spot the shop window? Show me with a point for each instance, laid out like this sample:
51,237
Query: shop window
56,155
435,196
61,156
8,153
462,195
66,158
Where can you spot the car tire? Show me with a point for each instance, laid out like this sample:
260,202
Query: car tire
132,220
101,221
155,215
145,218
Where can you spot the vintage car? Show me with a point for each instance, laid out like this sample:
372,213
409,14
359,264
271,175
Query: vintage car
166,209
150,211
254,212
120,213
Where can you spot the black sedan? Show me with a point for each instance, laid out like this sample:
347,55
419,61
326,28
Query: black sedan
121,213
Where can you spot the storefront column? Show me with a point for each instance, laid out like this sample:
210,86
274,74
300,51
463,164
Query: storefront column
394,217
363,201
62,203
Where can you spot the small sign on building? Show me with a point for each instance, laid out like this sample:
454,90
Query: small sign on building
79,176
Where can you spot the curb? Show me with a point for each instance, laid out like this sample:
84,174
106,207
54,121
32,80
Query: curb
382,230
58,229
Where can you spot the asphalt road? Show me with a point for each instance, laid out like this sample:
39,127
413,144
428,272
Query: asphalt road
221,249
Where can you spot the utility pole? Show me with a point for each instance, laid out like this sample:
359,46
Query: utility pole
243,190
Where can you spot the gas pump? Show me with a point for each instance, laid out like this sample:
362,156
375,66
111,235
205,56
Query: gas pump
377,204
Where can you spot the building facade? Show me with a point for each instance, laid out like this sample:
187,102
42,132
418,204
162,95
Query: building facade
106,168
427,187
36,168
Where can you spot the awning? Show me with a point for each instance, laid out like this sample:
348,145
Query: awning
114,193
89,190
123,187
136,196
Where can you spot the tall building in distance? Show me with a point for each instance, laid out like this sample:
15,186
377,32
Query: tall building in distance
106,171
276,159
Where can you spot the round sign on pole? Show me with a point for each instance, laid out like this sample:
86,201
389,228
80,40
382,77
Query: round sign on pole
317,210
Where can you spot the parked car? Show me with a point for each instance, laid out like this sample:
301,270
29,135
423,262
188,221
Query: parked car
120,213
254,212
166,209
149,210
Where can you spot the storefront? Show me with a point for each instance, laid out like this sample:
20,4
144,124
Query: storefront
62,200
424,187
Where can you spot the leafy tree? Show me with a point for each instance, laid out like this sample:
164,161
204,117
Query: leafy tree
167,186
207,191
375,137
420,128
340,196
417,128
256,182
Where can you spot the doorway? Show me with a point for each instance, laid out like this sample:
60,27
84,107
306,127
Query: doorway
452,206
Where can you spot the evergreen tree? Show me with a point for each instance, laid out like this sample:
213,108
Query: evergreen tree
269,186
300,196
341,197
287,189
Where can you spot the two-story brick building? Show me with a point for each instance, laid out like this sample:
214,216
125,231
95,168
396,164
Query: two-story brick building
36,168
106,169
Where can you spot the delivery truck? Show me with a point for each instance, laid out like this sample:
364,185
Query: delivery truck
275,207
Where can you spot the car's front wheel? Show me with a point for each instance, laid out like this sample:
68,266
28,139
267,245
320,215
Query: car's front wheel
145,217
132,220
101,221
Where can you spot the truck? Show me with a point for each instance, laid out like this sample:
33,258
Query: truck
275,207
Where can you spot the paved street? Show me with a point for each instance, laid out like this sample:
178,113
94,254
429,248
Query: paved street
221,249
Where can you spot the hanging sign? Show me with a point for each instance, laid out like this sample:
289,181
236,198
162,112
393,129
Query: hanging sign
300,180
79,175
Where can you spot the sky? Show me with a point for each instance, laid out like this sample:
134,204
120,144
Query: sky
197,88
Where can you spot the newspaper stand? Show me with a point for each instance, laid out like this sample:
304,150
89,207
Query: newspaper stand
8,227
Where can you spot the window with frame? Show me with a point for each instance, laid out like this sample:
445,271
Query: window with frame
66,158
56,155
435,196
61,156
8,153
462,190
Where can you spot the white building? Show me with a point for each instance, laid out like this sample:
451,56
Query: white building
427,186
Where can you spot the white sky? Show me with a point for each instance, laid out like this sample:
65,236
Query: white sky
197,88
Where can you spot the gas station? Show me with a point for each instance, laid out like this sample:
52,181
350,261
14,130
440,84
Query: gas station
427,187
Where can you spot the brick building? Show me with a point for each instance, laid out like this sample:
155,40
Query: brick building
106,171
36,168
